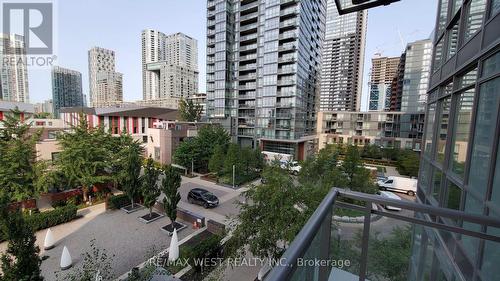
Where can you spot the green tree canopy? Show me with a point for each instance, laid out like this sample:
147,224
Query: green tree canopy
20,261
200,149
216,163
150,188
130,172
85,159
170,186
18,168
190,111
271,219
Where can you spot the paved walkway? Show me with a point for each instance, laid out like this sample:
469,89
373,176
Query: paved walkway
122,235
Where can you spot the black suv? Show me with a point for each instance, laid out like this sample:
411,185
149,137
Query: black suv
202,197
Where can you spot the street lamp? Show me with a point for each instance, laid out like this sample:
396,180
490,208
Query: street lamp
233,176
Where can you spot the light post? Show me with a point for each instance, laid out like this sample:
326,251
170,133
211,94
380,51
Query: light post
233,175
192,166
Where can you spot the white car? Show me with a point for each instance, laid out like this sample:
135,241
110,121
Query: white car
390,195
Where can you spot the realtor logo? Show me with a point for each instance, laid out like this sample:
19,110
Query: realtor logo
33,21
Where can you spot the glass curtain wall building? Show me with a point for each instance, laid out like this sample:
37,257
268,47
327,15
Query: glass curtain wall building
263,64
343,60
66,89
460,166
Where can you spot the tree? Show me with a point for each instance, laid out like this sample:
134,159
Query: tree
190,111
130,173
201,148
408,163
18,157
150,189
170,187
233,159
21,260
85,159
271,219
96,265
216,163
319,174
358,178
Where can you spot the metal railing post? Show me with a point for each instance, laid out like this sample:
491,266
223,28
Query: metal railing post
364,243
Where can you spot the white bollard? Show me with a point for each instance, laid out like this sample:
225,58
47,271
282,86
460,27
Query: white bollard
66,261
173,252
48,243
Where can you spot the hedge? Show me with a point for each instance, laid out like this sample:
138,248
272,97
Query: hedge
43,220
118,201
51,218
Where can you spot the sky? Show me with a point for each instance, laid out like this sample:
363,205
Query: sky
117,25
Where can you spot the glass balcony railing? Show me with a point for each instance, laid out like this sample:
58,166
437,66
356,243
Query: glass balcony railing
358,236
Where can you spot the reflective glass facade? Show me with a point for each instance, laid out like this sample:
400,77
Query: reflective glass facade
460,164
263,65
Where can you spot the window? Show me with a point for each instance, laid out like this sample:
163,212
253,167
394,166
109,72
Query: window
454,196
495,7
460,137
429,131
443,15
495,193
491,65
486,118
474,17
452,40
443,128
438,56
436,184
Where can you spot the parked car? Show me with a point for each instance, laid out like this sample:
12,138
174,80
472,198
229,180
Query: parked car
390,195
202,197
400,184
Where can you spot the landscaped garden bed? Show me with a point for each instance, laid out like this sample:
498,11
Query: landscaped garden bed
170,230
150,217
130,209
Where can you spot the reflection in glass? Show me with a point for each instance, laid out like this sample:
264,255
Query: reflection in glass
452,40
454,196
443,128
429,134
491,65
486,118
460,138
474,18
436,184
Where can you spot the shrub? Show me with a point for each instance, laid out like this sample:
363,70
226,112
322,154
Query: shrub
51,218
39,221
208,248
118,201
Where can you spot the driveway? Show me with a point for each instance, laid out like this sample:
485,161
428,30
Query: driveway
382,226
227,199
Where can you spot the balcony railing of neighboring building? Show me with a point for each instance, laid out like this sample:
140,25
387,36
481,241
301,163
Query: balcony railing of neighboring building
320,238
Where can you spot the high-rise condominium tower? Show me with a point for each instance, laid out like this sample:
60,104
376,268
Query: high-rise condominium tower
343,60
383,71
169,65
263,67
109,87
13,75
416,75
102,63
66,89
